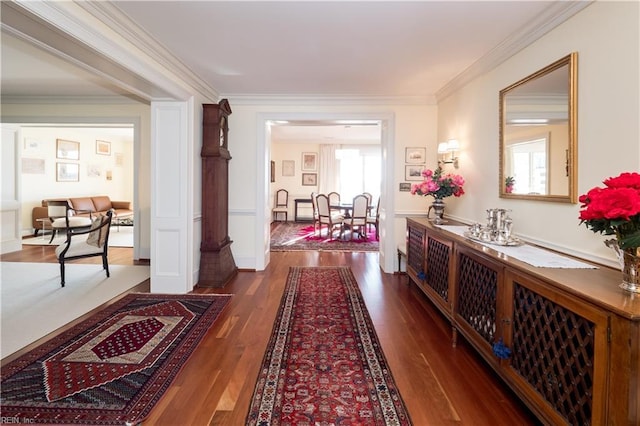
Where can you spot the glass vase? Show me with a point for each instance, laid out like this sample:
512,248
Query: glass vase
438,210
630,265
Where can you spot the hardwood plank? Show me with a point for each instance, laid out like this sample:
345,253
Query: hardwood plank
440,384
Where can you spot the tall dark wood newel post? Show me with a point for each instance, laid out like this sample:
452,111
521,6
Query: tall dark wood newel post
217,266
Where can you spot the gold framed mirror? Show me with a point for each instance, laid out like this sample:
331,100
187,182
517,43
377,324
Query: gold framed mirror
538,141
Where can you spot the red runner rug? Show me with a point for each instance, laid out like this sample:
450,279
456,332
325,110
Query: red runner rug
324,364
113,367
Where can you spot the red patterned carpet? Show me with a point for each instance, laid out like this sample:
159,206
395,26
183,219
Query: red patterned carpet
291,236
113,367
324,364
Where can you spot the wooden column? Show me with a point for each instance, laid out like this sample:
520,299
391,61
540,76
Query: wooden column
217,266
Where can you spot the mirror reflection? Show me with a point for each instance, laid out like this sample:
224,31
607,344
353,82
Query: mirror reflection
537,135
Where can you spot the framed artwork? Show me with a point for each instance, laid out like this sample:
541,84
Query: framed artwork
288,168
310,161
67,150
273,171
103,147
67,172
415,155
34,166
309,179
405,187
413,172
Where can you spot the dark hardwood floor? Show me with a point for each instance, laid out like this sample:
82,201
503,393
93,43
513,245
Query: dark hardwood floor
440,385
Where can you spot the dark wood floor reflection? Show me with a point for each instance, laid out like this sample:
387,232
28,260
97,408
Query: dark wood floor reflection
441,385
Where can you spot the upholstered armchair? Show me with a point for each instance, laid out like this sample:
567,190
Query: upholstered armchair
90,242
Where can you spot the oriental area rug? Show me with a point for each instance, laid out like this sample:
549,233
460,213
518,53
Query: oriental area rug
111,368
324,364
291,236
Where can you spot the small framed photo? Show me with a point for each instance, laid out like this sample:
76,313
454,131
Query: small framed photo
67,172
309,179
415,155
103,147
310,161
273,171
413,172
67,150
288,168
405,187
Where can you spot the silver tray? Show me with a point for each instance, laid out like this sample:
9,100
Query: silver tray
513,241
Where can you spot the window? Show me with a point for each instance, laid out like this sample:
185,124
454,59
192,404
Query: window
529,165
360,170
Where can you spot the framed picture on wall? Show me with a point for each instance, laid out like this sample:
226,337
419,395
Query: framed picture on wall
415,155
310,161
413,172
67,172
67,150
405,187
103,147
309,179
288,168
273,171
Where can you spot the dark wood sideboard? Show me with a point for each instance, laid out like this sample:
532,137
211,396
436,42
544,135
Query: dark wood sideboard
567,341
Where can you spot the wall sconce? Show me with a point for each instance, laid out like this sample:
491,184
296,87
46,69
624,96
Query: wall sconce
448,148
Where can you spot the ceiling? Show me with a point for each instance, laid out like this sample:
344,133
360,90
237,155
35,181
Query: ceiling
297,48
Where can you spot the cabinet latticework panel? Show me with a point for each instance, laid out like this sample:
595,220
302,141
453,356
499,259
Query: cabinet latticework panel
553,350
477,296
438,267
415,249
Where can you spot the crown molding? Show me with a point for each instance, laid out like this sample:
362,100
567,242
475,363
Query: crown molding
101,39
72,100
314,100
550,18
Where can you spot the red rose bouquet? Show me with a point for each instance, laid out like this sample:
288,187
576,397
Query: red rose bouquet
615,209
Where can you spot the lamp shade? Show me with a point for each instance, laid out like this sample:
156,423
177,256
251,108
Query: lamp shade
443,147
453,145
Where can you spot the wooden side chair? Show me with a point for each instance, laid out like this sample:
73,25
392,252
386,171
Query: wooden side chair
358,218
62,218
375,219
327,217
314,206
282,204
86,243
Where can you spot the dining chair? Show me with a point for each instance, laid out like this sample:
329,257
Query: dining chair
82,243
334,202
282,204
326,216
62,217
314,206
369,197
358,218
375,219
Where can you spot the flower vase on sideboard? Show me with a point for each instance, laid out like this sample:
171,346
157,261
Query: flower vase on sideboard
438,210
630,265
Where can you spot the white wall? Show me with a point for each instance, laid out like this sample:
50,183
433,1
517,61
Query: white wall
607,38
293,184
40,143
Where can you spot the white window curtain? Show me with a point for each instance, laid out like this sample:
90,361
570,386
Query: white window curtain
328,169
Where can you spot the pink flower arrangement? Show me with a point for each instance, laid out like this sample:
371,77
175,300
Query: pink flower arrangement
615,209
438,184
